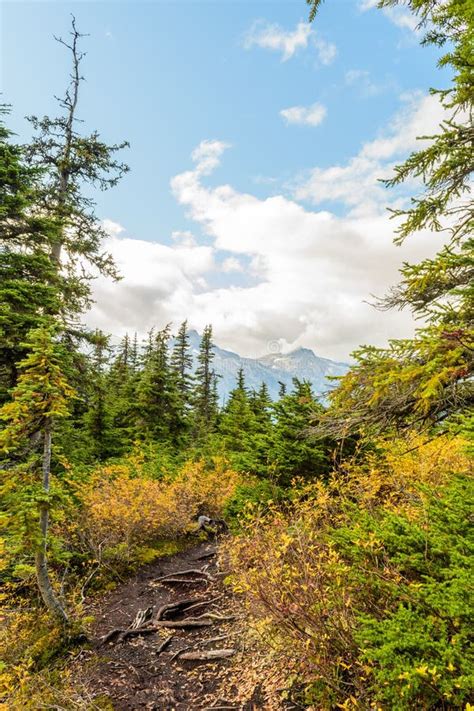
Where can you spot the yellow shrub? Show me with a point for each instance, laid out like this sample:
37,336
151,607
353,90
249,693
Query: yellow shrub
301,591
119,509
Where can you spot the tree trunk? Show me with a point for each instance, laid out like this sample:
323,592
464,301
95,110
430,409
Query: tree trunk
44,583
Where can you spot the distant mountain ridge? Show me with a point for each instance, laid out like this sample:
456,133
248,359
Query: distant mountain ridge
272,369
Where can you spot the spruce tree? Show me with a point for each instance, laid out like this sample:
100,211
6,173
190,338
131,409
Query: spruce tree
205,390
158,397
98,417
39,400
181,367
294,454
121,382
427,380
29,285
68,164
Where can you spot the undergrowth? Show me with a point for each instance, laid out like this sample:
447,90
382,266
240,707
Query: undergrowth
364,584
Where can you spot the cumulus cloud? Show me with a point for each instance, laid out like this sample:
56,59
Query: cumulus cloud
356,184
305,115
289,42
396,14
231,264
207,156
312,271
158,283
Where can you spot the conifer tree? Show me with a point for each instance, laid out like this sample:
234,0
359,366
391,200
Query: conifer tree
182,361
237,421
39,400
293,453
66,162
205,391
181,365
426,380
28,280
157,393
121,382
98,418
261,403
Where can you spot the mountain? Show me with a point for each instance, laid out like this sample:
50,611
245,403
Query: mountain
272,369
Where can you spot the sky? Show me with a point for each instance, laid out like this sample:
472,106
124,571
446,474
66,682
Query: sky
257,142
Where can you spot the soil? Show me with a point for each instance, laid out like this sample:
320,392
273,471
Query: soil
134,673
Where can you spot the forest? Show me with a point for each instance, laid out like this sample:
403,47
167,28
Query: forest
326,546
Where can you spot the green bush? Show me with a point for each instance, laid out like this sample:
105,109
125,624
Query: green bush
258,493
414,633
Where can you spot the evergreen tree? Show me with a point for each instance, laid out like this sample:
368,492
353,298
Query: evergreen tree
181,362
293,453
237,420
425,380
67,163
161,415
261,403
181,366
98,418
205,390
28,280
39,400
121,383
245,428
49,233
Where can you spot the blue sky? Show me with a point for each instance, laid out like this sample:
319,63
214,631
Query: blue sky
169,75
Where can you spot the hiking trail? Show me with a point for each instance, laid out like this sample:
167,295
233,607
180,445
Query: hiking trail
168,639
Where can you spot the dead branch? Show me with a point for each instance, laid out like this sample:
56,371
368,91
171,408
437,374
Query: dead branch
215,616
180,651
184,624
215,639
204,556
141,618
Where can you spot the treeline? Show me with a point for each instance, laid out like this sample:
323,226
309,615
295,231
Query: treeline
150,392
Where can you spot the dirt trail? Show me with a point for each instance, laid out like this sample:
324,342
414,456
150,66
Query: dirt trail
133,672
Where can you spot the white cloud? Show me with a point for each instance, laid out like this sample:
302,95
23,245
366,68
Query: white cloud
357,183
305,115
207,155
277,39
312,271
327,51
158,284
231,264
112,228
396,14
288,42
361,80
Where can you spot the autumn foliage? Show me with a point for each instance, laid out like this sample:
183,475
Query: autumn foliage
360,585
122,510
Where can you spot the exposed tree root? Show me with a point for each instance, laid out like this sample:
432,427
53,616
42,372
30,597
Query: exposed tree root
189,571
209,656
